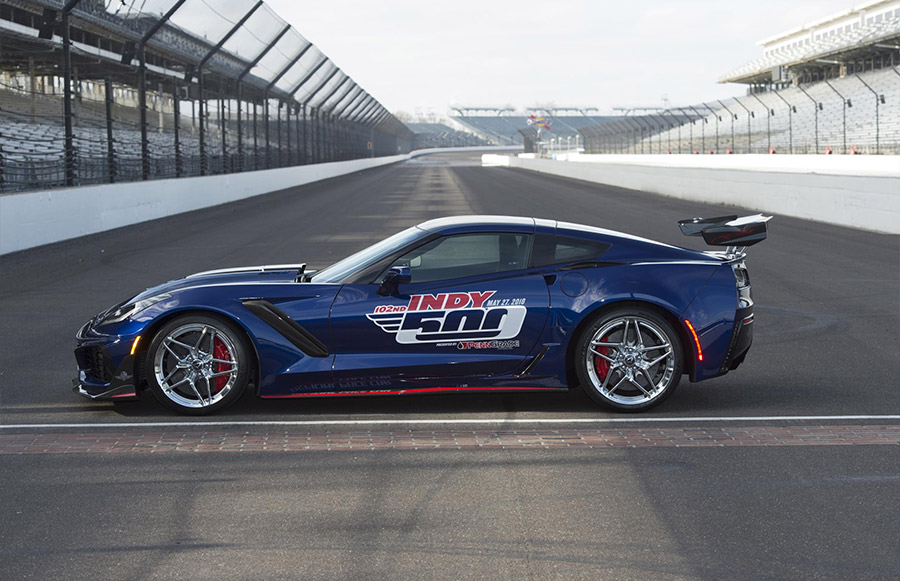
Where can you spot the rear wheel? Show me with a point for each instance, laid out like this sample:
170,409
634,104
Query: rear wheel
629,360
198,365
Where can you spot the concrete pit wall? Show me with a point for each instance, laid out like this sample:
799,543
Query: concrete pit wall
856,191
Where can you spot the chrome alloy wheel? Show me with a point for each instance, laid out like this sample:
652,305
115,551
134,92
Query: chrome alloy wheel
196,365
630,361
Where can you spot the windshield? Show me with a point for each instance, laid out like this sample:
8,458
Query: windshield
340,270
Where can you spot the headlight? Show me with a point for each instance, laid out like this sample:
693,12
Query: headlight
132,308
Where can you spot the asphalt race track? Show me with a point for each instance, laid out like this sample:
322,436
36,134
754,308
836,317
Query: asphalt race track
787,468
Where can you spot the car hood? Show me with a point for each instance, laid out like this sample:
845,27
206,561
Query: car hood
270,274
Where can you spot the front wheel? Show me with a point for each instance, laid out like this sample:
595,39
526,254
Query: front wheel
629,360
197,365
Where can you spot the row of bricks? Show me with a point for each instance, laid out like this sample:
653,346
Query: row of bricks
456,439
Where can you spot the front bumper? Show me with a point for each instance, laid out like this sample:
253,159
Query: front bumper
105,365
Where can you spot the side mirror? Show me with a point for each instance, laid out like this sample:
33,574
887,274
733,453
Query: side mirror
394,277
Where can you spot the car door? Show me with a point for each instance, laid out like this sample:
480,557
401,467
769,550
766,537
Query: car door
471,309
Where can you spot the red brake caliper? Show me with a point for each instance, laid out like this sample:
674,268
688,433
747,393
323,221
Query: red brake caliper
601,364
221,352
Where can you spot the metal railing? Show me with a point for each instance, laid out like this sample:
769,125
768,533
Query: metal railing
178,88
855,114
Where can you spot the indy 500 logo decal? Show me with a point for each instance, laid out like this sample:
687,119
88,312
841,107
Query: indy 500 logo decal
445,317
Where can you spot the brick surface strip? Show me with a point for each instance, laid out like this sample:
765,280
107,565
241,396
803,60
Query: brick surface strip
419,439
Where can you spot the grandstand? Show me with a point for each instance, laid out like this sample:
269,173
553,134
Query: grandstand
506,126
429,135
832,86
94,91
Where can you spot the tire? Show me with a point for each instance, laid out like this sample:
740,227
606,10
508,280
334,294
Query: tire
626,371
198,364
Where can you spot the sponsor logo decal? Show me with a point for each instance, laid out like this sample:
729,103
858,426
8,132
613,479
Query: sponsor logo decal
501,345
451,318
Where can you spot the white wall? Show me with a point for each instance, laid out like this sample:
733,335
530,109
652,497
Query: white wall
857,191
34,218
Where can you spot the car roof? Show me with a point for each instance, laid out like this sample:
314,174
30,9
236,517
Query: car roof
462,224
478,223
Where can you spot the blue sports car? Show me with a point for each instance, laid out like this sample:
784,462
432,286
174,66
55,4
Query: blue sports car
478,303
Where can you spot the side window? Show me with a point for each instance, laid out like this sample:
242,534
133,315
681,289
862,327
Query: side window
466,255
562,249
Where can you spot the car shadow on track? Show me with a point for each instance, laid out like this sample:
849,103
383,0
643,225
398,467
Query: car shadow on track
717,398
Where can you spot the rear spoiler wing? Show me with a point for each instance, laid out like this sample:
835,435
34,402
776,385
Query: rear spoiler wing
730,231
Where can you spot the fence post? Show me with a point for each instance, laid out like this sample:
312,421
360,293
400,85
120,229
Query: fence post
790,122
110,150
240,143
280,154
287,126
142,110
304,159
768,121
176,114
201,119
816,107
255,138
67,93
718,118
749,130
845,103
877,99
733,117
222,121
266,121
297,134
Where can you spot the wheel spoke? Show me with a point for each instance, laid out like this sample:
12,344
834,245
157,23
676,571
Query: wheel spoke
637,329
658,359
605,344
621,381
169,376
603,355
174,385
609,375
171,339
208,389
625,334
196,392
221,373
170,350
655,347
200,338
224,361
637,384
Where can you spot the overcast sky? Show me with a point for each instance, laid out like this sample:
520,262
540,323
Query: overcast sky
420,56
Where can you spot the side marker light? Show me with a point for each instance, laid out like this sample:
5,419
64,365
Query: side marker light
138,338
696,340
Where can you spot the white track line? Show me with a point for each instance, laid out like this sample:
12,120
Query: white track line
439,422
